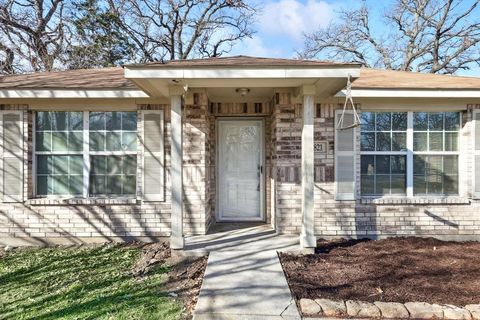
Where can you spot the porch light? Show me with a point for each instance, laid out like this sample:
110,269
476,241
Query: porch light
242,91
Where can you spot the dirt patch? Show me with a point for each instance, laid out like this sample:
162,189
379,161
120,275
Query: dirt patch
394,270
185,274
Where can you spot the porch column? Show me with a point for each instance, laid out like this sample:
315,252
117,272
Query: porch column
176,168
307,238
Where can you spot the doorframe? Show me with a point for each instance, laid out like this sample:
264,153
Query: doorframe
262,163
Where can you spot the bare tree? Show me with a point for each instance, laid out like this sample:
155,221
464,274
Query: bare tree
435,36
31,34
181,29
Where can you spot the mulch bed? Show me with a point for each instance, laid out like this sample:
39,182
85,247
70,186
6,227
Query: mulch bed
393,270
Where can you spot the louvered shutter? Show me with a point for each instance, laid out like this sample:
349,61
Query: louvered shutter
344,158
153,156
11,156
476,152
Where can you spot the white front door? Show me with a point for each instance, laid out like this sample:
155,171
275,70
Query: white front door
240,170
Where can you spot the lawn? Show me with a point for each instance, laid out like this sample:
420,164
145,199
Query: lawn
82,283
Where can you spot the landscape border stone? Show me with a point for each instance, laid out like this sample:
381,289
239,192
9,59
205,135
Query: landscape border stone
327,308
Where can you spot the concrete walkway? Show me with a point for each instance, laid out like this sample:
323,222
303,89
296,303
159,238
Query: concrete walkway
244,280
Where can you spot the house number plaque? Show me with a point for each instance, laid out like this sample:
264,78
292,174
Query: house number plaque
320,147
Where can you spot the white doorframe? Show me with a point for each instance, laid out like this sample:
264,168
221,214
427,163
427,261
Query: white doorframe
262,163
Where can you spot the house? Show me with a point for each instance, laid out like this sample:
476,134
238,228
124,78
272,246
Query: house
169,149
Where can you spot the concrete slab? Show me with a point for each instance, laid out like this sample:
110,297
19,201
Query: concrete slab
241,284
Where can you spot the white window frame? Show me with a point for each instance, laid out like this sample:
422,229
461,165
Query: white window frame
409,161
475,195
86,160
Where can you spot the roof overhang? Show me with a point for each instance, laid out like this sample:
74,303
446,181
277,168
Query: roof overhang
411,93
157,80
70,93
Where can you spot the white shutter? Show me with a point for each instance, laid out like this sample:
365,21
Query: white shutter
153,156
344,158
476,154
11,156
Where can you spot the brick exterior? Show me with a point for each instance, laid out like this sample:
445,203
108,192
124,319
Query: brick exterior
38,221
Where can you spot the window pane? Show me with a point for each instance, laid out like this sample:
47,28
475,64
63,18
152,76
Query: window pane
130,164
435,141
114,165
382,185
76,165
60,165
450,165
452,121
419,165
420,141
129,121
97,141
419,184
97,185
368,121
129,141
367,141
60,141
98,165
59,121
368,165
60,185
43,141
450,184
398,164
44,185
113,120
97,121
383,164
399,141
43,121
399,121
420,121
75,141
76,184
75,121
451,141
435,121
398,184
383,141
384,121
114,185
129,185
114,141
367,185
44,165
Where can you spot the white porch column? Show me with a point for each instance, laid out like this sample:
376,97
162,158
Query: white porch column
176,169
307,238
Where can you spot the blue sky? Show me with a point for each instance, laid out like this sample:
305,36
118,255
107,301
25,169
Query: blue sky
282,23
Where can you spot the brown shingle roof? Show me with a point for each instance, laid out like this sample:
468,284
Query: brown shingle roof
388,79
241,61
105,78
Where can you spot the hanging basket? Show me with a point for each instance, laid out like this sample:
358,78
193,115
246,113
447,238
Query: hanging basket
348,100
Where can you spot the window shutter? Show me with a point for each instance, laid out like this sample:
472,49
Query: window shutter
344,158
153,156
476,153
11,156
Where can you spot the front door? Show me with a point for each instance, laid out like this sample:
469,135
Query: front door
240,170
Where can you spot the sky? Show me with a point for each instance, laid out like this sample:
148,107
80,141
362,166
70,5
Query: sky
282,23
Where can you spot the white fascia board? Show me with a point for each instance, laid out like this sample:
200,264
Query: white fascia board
367,93
241,73
55,93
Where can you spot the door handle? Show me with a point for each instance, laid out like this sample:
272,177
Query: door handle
260,168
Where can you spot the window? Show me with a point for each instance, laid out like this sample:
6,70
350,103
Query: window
431,145
108,156
383,144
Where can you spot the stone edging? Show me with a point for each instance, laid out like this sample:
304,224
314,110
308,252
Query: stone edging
387,310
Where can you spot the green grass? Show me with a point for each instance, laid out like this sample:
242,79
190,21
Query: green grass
81,283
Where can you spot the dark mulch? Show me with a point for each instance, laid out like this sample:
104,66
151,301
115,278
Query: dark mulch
395,270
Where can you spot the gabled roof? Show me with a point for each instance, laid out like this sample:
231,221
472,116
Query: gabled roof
389,79
242,61
89,79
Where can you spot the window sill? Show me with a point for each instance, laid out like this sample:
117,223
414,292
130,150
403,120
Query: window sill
416,200
81,201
